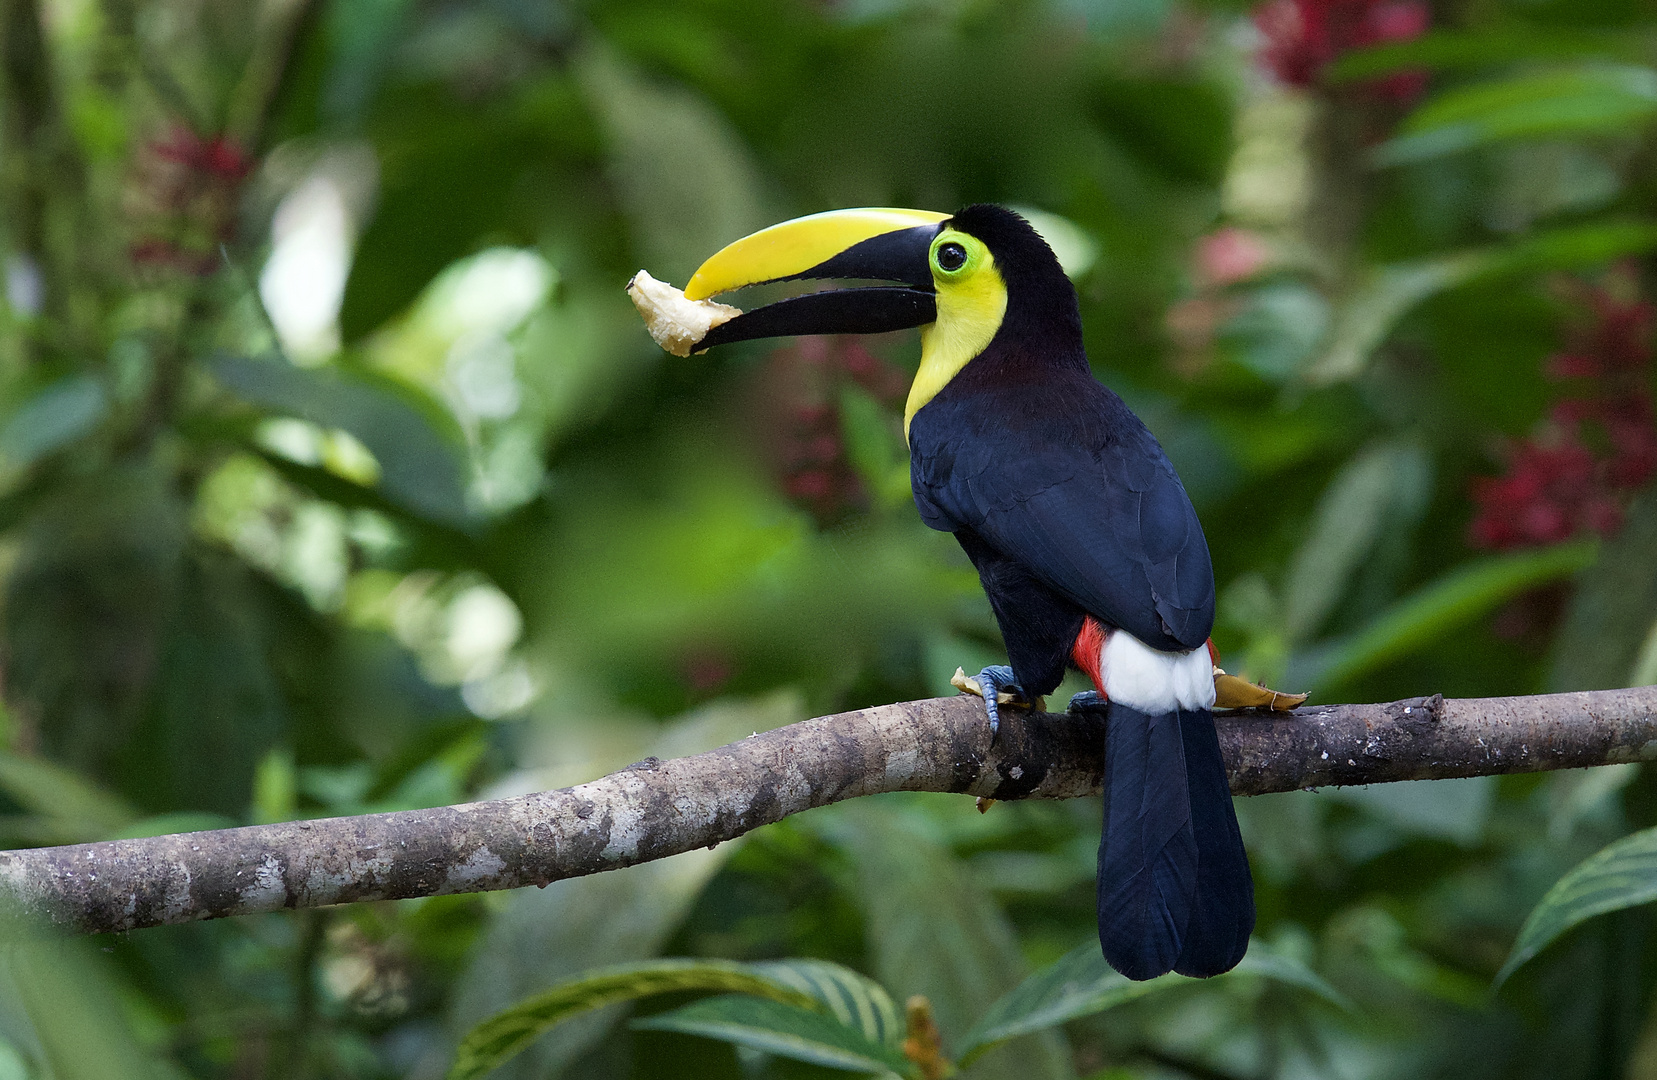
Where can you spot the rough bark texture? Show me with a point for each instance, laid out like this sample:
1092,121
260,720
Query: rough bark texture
653,808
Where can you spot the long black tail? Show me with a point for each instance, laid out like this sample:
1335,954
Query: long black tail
1174,887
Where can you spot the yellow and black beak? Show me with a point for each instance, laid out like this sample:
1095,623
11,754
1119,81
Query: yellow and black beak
878,244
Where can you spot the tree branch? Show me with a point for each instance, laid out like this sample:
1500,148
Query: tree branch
654,809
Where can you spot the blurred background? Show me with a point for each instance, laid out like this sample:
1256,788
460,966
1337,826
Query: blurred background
338,475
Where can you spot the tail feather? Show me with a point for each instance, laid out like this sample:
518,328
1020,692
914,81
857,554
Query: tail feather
1175,892
1148,851
1223,915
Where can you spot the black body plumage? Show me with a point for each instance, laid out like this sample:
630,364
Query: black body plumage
1068,507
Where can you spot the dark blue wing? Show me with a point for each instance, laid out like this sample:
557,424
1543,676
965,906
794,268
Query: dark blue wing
1084,497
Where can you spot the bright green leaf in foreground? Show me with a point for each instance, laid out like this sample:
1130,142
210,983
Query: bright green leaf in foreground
854,999
507,1033
837,996
1622,875
777,1027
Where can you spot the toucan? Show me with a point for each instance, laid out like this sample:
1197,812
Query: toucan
1085,541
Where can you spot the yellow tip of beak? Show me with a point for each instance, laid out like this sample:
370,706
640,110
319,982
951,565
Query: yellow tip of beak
796,246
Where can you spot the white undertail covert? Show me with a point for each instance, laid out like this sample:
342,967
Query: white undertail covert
1154,681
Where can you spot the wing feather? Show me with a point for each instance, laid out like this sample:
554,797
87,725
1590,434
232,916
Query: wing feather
1089,503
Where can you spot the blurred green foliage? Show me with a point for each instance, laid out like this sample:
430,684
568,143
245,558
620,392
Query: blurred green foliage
337,475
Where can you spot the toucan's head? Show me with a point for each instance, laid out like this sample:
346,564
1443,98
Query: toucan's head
966,280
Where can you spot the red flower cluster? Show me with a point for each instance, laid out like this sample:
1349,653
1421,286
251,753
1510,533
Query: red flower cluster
800,386
184,198
1304,36
219,156
1596,447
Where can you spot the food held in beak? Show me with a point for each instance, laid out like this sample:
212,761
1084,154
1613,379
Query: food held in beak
676,323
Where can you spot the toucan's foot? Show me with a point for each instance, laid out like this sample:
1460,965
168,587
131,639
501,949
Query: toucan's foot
1088,701
996,685
993,680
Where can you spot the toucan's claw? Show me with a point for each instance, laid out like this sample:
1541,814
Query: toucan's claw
996,685
993,680
1088,701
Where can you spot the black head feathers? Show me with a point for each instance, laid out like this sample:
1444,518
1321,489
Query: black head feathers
1041,302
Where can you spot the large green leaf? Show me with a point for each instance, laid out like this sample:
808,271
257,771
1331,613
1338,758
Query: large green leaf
1588,100
875,446
1463,594
1622,875
786,1030
854,999
420,468
508,1033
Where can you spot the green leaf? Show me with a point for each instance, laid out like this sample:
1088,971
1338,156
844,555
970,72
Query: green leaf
79,807
54,417
785,1030
12,1064
1369,494
63,1006
852,997
874,444
420,469
1269,964
1622,875
1589,100
1459,596
1365,317
1079,983
1368,314
1445,50
507,1033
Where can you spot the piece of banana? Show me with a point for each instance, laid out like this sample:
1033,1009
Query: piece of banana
969,685
1230,692
676,323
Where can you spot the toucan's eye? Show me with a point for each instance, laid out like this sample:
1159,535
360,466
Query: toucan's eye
951,257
